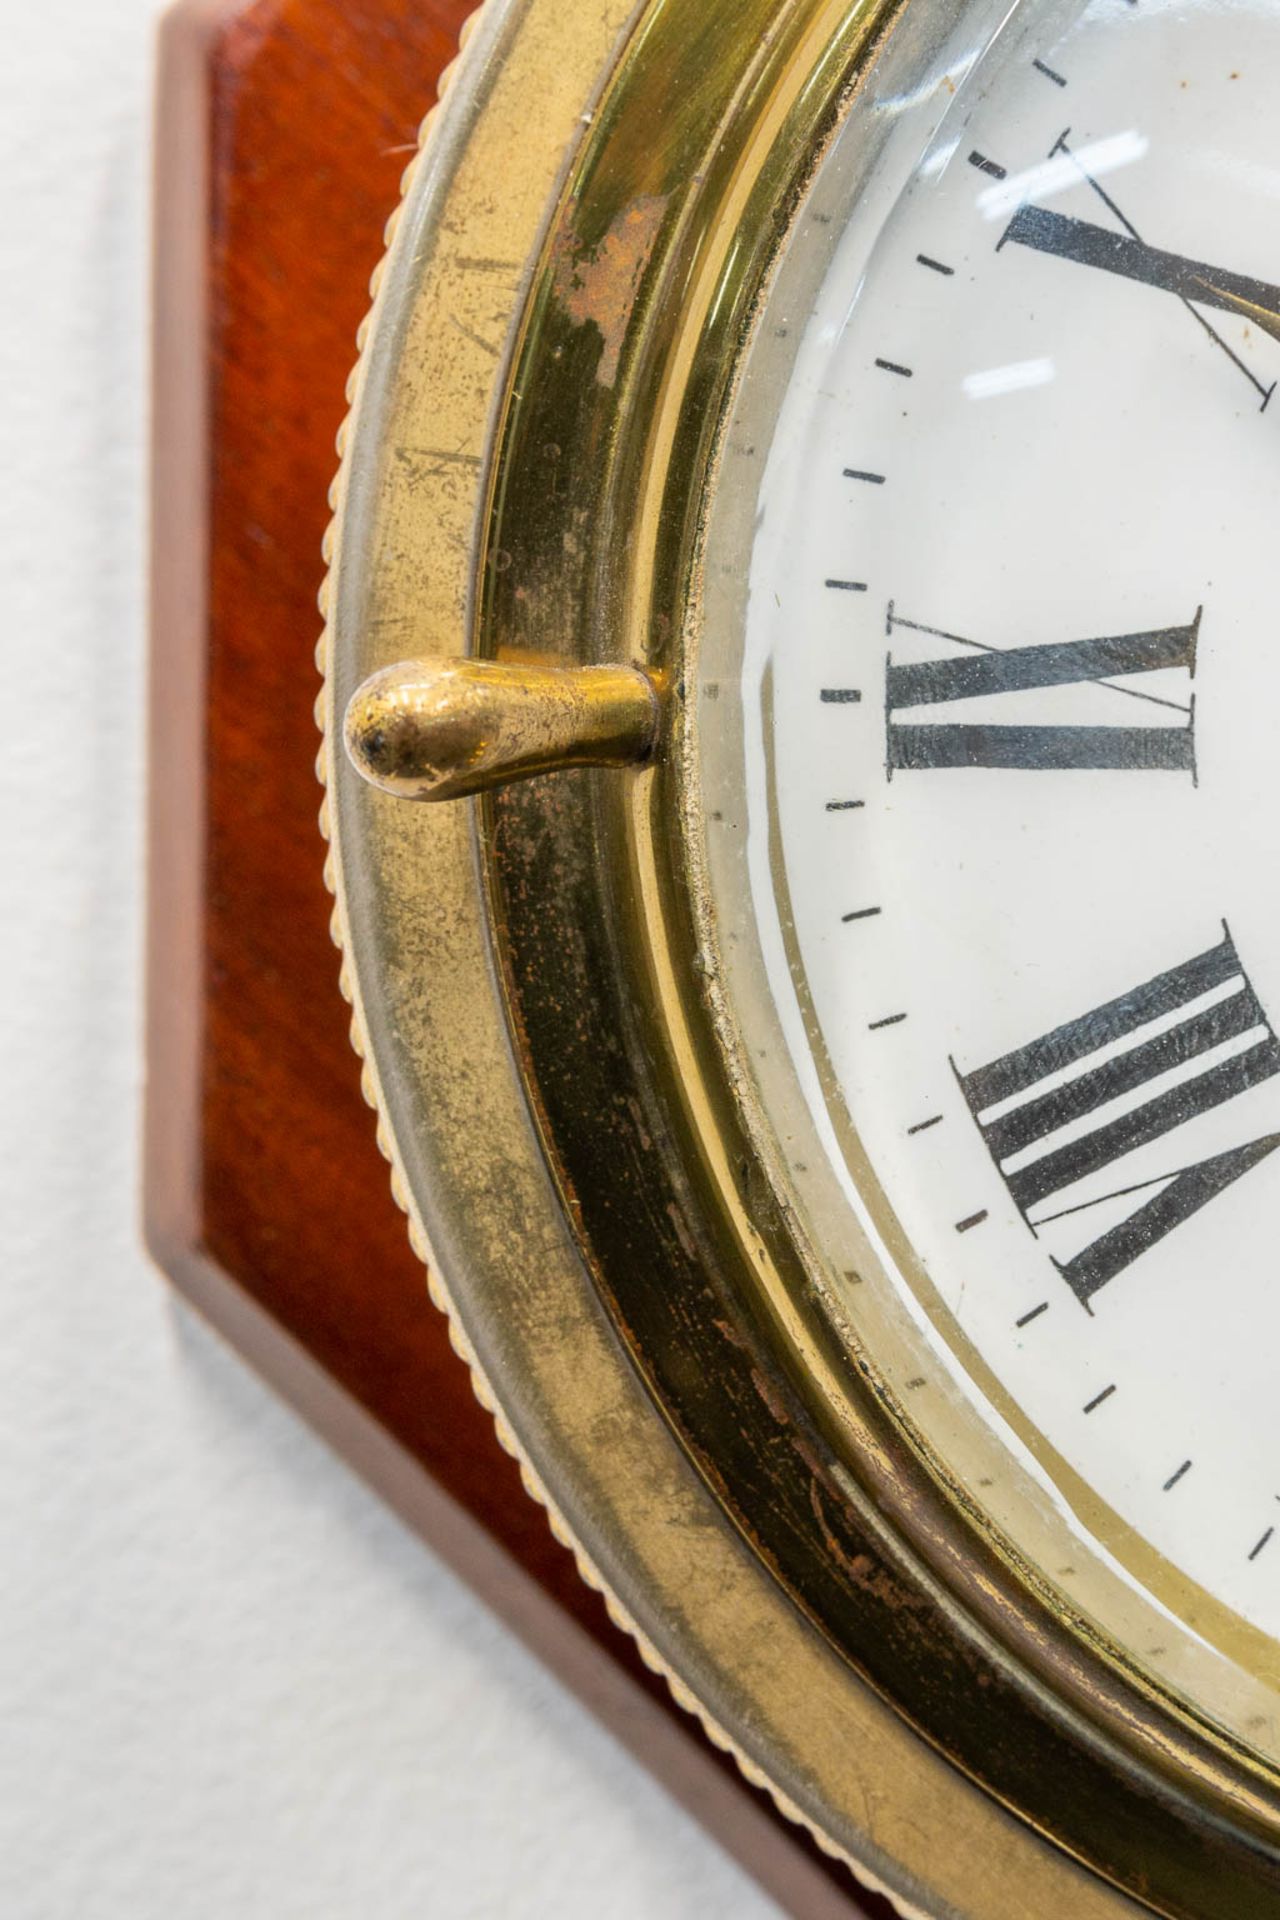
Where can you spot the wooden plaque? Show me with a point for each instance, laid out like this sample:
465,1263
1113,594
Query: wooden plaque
284,126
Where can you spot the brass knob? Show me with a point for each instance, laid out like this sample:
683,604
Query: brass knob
440,729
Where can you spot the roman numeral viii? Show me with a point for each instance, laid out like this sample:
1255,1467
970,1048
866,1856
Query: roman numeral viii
1071,1104
916,746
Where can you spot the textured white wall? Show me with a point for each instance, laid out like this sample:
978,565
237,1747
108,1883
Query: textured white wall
230,1684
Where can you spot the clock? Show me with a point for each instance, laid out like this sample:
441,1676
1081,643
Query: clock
803,530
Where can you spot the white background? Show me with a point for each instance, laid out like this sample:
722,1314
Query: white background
230,1684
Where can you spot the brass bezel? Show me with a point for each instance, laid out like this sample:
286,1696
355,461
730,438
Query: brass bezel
564,1131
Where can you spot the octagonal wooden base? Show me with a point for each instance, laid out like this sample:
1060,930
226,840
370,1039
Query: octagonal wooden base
284,126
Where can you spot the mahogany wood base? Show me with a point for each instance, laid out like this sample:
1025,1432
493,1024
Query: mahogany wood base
284,126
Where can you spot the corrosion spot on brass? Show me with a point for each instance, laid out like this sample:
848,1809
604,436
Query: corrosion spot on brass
441,729
597,285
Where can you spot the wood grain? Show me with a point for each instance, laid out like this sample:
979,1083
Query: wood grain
283,129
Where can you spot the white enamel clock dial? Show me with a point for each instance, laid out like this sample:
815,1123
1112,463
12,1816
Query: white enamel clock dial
1009,807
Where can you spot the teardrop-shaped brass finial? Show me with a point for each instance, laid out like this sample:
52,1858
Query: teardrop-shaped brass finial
440,729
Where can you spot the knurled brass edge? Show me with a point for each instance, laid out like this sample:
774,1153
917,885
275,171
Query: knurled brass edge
441,1298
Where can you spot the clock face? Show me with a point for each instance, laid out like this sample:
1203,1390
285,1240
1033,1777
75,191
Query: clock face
990,789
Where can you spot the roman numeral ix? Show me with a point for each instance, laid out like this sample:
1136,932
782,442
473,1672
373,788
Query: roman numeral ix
1023,1102
917,746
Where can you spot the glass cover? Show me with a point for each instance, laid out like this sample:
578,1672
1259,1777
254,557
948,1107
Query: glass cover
987,790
